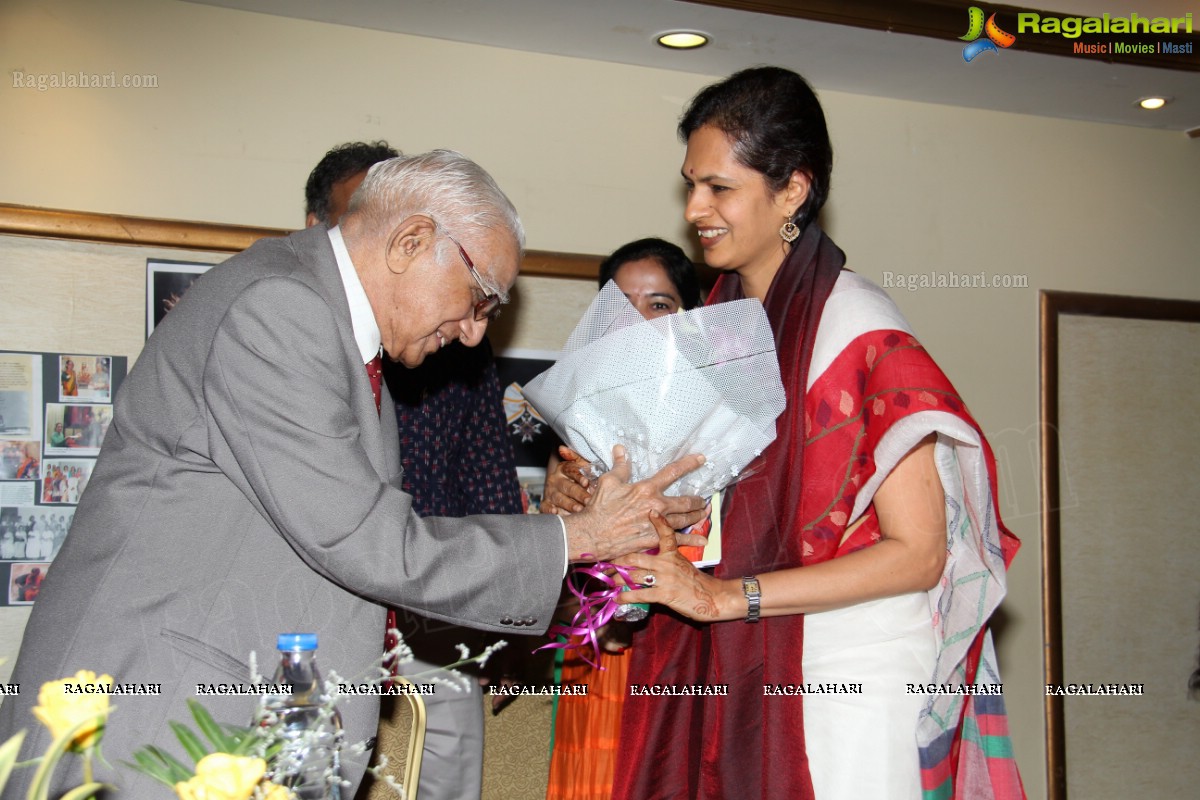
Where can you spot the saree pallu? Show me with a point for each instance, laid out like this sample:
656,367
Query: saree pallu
871,393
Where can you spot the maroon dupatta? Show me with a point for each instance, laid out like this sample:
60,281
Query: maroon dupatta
741,744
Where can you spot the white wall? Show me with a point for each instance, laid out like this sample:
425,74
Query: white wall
246,104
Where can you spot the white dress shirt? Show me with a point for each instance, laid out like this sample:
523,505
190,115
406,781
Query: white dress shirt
366,329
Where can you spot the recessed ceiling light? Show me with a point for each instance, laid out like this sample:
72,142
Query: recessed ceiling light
682,40
1153,103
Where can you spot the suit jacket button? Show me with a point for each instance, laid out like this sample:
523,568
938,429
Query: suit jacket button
506,620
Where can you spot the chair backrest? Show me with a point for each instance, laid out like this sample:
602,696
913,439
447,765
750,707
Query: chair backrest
401,739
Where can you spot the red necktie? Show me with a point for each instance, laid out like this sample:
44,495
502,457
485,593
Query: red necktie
390,640
375,373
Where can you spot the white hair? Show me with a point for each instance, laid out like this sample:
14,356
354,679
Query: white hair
458,194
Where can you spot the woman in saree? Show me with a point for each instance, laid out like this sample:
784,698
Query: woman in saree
863,554
658,278
70,384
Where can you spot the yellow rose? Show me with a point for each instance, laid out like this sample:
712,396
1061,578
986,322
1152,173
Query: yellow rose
273,791
220,776
64,704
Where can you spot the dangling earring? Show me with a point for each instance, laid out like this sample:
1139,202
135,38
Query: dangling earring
790,232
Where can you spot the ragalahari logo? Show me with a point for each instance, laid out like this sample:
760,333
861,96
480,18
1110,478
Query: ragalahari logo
976,27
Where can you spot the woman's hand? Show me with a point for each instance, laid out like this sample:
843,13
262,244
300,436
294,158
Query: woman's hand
910,557
671,580
568,488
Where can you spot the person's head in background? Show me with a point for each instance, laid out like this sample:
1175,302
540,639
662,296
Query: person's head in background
337,176
656,276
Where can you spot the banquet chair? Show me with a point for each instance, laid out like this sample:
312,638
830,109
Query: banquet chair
401,738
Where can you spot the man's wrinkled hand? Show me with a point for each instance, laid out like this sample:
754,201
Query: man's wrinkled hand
617,520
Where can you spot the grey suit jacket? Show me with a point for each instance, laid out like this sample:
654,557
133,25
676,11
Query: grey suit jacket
247,487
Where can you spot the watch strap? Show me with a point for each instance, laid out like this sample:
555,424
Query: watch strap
753,592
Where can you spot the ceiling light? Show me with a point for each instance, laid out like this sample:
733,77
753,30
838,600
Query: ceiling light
682,40
1153,103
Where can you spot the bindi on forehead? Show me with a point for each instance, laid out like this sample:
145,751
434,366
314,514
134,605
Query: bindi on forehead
690,171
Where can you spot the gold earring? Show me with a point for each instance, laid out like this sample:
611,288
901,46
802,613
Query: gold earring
790,232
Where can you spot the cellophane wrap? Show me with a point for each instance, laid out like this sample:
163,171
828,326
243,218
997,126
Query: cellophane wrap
702,381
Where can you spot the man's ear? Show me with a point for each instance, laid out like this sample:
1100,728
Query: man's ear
408,240
310,220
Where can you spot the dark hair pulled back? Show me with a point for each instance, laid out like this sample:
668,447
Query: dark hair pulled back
777,127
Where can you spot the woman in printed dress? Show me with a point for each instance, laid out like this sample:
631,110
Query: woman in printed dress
658,279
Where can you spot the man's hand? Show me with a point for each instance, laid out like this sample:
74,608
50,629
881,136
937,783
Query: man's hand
617,520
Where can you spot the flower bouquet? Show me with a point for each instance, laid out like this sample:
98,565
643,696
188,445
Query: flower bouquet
701,381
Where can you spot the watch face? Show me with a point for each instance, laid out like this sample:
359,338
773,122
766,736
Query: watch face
751,586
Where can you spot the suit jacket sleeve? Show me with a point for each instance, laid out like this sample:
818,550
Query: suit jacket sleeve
291,425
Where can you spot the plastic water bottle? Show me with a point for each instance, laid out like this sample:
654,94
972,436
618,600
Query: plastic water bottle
305,723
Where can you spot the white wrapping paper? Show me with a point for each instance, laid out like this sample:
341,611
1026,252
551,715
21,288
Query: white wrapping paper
703,381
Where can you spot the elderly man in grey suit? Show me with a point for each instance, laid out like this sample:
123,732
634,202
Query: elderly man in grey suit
470,471
249,485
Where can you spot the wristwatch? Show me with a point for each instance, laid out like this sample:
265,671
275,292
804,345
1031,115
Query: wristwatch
753,597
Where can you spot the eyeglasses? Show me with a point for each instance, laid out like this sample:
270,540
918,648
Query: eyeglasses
489,307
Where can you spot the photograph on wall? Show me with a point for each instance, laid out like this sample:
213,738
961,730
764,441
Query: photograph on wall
76,430
24,581
20,395
20,459
84,379
64,479
533,440
166,283
533,486
33,533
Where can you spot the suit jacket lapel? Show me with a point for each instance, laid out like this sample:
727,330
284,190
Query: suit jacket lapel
390,437
380,440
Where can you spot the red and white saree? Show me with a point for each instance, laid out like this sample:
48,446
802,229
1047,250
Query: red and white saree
870,393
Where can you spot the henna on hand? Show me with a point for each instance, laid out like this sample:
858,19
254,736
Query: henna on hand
568,486
678,584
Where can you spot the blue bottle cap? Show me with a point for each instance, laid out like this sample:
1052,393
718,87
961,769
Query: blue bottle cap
290,642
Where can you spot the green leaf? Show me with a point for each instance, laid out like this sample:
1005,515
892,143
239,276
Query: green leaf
191,743
211,730
8,757
85,791
151,767
159,765
245,743
177,767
